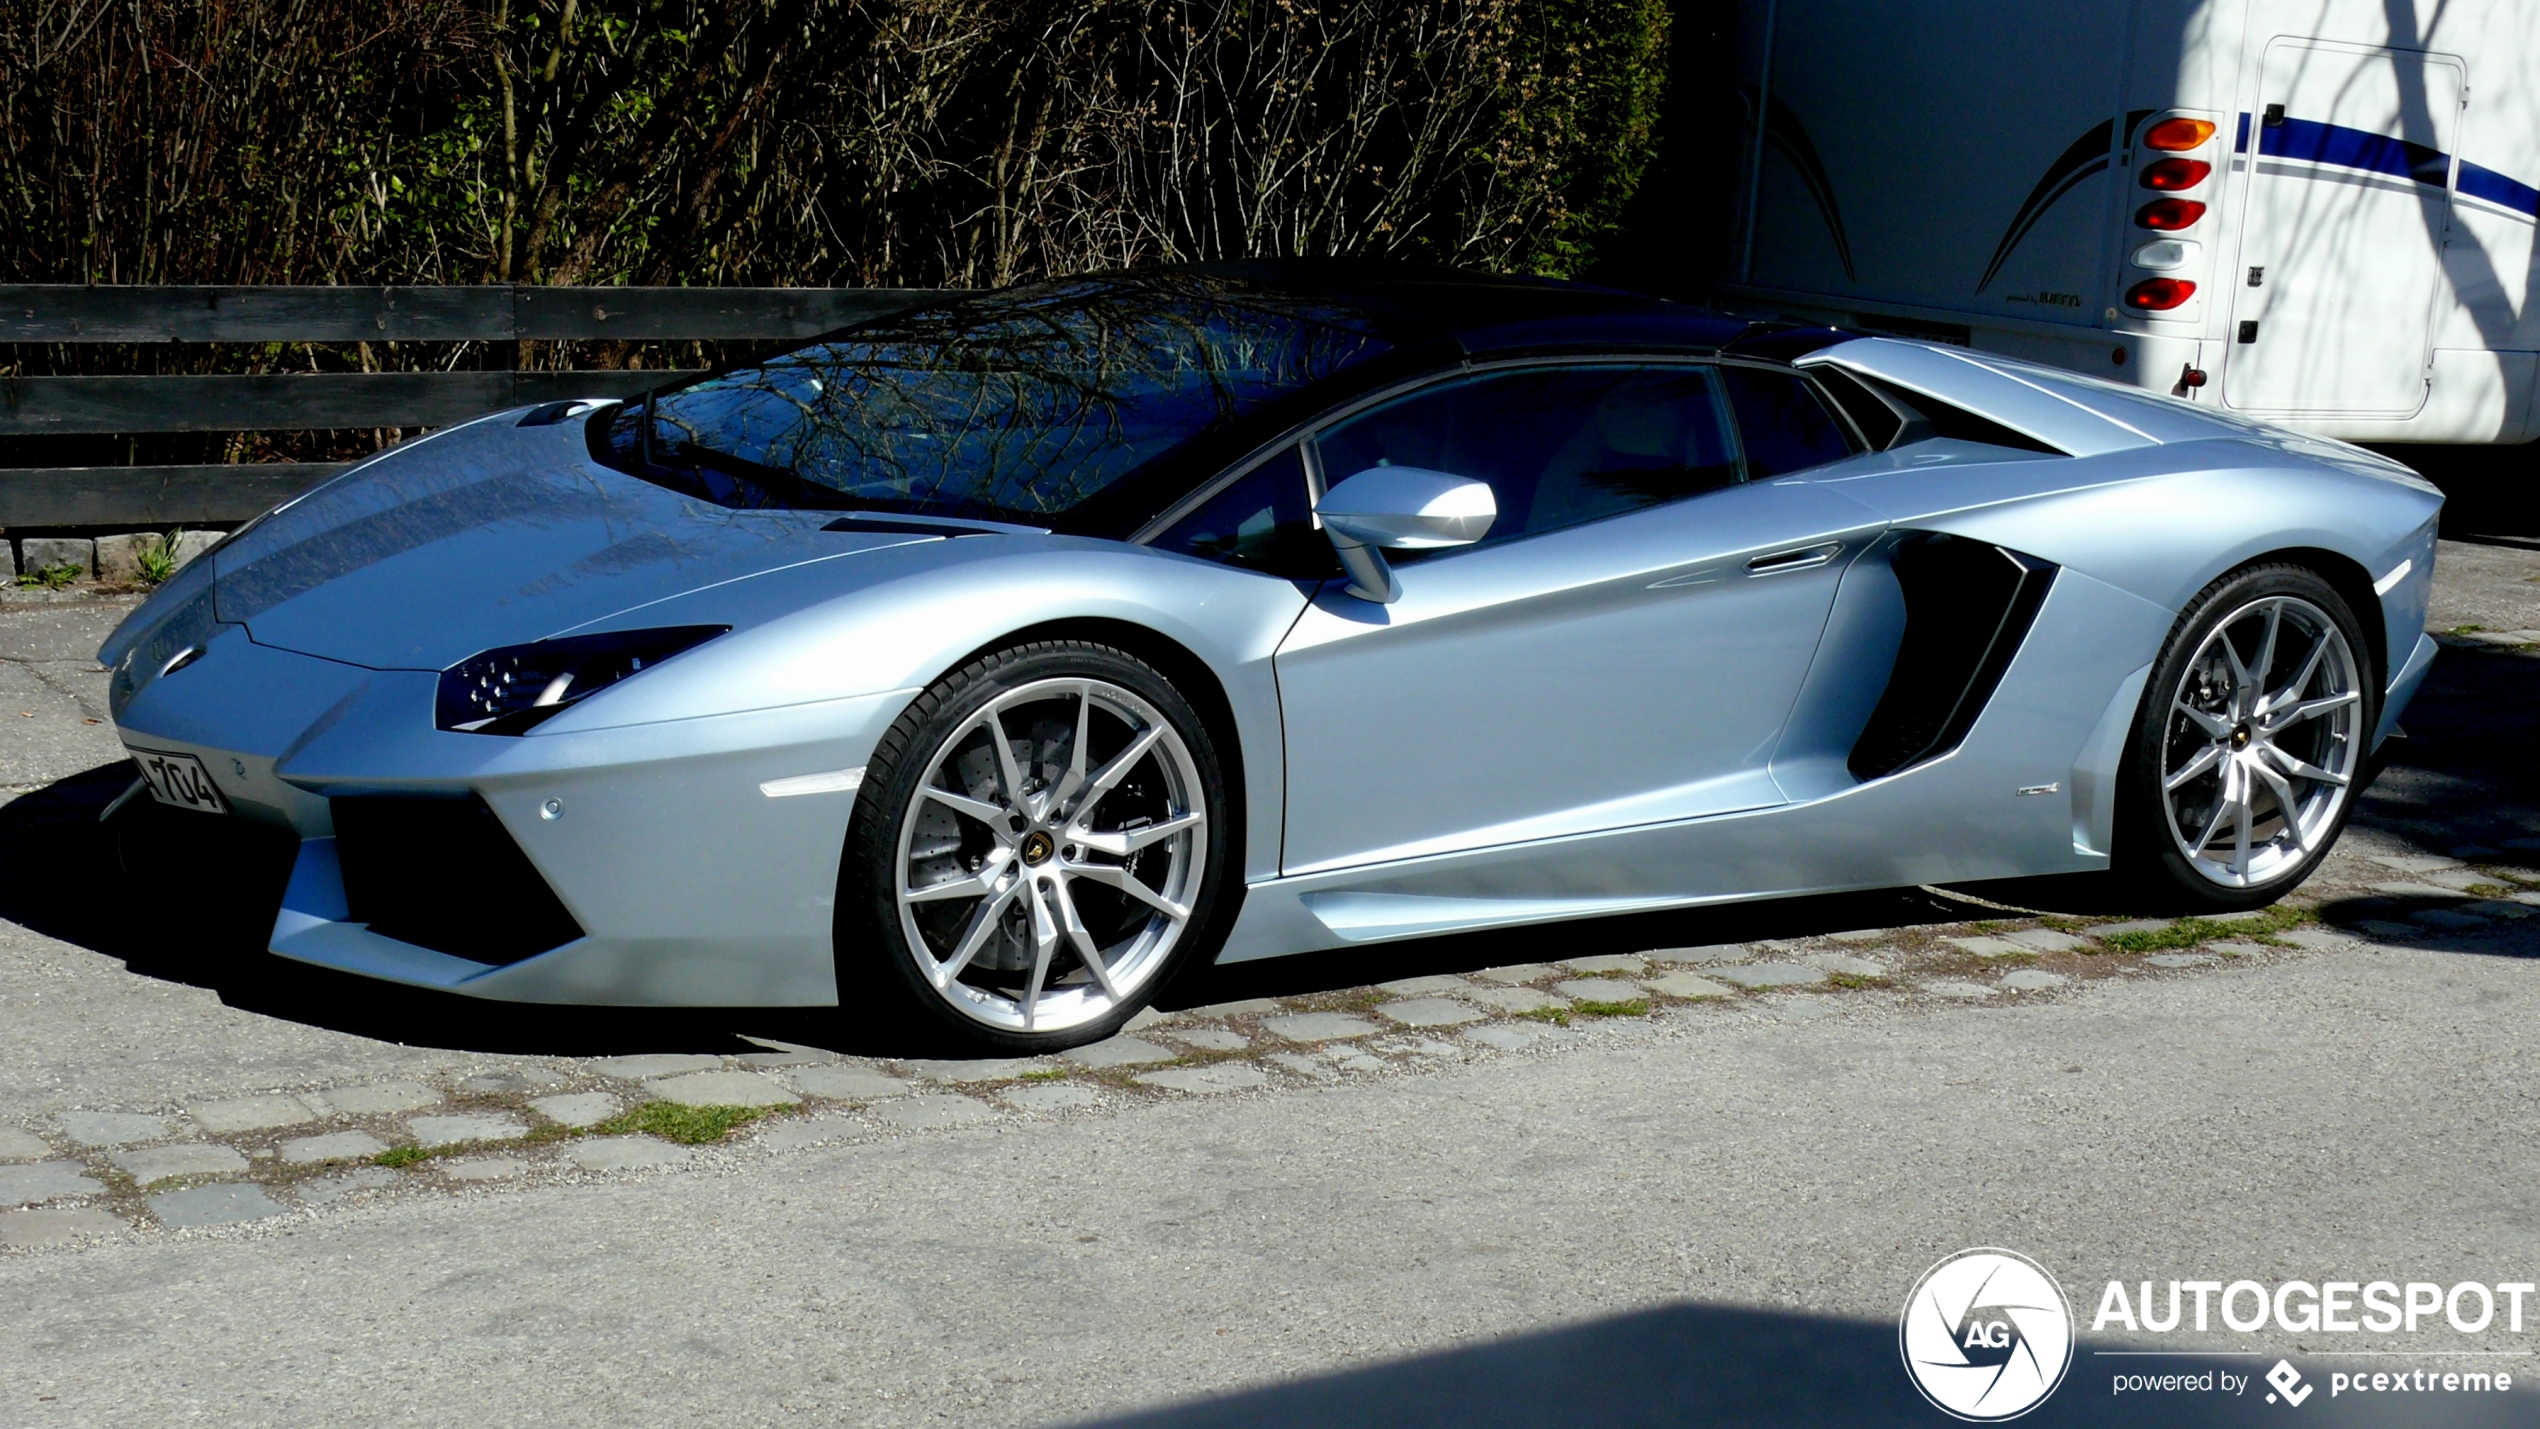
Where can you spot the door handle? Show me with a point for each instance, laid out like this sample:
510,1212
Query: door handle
1803,559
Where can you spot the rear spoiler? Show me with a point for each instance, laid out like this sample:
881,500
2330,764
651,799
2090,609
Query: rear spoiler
2057,409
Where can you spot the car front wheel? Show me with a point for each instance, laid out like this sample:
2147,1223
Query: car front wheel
2251,743
1037,847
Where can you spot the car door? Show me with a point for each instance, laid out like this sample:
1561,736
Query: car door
1622,648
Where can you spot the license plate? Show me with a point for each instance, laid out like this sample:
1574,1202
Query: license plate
180,779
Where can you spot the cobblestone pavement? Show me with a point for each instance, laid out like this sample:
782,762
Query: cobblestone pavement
150,1086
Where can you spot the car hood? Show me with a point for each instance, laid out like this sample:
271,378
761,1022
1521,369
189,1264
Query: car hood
491,534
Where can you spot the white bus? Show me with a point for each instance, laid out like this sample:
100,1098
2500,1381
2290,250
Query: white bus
2318,212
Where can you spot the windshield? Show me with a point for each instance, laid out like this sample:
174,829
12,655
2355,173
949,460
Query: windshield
1014,406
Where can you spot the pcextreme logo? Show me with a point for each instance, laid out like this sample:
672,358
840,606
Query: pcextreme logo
1986,1335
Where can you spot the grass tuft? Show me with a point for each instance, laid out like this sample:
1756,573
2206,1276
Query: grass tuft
1854,979
687,1125
2188,932
402,1156
1637,1007
1557,1016
50,577
1045,1074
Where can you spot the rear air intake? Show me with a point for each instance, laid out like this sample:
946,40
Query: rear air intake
444,874
1968,605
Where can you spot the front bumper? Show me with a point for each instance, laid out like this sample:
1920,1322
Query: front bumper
692,886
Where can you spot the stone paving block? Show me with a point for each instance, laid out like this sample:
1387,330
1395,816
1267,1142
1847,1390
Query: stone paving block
334,1146
2316,938
214,1205
1145,1018
2180,960
785,1054
16,1145
655,1064
2131,925
163,1163
2459,880
577,1108
723,1089
1319,1027
377,1098
1599,989
238,1114
1702,955
40,553
2415,890
1211,1039
1303,1064
1216,1077
623,1153
1506,1036
2448,918
1605,963
44,1181
1119,1052
483,1168
190,544
851,1084
511,1082
1516,973
1951,987
2032,979
453,1130
110,1128
1361,1062
1687,985
2046,940
2234,949
2390,932
986,1069
2493,908
1989,947
1515,999
1772,975
800,1131
1845,963
119,556
934,1109
2475,853
2413,862
28,1229
1862,935
1242,1007
1428,1012
1050,1097
1423,986
327,1190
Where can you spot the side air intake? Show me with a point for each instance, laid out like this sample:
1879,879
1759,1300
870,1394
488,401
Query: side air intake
444,874
1968,605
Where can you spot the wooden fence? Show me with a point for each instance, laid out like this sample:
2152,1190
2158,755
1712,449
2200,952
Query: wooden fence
152,496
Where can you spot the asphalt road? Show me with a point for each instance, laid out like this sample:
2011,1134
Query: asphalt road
1711,1215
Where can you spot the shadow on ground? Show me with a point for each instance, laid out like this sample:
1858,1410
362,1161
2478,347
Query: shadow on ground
1699,1365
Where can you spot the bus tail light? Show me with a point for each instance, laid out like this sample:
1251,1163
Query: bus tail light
2177,135
2159,295
2171,175
2167,215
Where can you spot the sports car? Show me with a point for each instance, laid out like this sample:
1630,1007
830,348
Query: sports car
985,664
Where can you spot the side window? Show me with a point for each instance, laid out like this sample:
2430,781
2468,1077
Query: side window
1558,445
1783,426
1262,522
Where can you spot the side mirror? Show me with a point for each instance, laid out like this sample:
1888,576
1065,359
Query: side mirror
1400,508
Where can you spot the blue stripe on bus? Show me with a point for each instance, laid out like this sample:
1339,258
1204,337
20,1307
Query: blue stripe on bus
2241,144
2497,189
2354,149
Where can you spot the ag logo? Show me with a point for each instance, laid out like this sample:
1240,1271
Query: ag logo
1986,1335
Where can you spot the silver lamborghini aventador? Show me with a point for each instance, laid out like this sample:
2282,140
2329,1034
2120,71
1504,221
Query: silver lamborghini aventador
990,661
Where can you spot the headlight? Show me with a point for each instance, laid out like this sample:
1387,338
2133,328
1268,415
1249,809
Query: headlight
506,691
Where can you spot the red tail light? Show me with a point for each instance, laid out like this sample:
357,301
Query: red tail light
2171,175
2174,135
2159,295
2169,214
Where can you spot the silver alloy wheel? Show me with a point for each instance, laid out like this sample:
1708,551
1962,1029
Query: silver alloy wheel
2261,742
1050,858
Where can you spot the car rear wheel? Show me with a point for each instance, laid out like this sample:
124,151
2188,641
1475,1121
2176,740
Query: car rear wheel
1036,849
2251,742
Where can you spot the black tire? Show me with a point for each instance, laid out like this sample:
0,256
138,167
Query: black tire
2151,858
879,972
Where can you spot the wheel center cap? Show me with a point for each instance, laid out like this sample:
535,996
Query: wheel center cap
1036,848
2240,736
